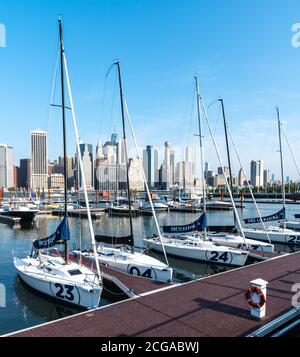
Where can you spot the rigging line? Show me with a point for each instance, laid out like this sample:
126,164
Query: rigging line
221,163
290,147
53,88
145,181
248,185
82,171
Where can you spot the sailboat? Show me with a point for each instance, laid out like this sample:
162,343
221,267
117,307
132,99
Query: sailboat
277,234
50,274
180,243
127,260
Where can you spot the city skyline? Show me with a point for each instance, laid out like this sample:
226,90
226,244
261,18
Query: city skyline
251,88
105,168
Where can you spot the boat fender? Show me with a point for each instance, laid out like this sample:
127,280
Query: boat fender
255,290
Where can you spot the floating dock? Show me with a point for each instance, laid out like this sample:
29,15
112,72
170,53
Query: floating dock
214,306
14,222
96,213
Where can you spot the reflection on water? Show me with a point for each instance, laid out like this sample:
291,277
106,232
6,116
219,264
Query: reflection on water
25,308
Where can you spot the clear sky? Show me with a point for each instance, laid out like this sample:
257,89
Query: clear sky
241,51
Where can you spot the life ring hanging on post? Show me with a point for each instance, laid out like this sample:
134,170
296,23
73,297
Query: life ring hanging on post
255,290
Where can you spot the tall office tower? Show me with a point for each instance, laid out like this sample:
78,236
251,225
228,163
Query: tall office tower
260,173
166,168
241,178
150,165
59,169
253,170
267,178
185,174
25,172
114,138
257,173
6,166
189,154
86,152
39,160
172,167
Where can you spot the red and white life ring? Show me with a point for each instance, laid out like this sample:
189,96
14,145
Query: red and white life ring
249,297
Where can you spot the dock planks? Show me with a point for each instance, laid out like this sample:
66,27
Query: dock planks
208,307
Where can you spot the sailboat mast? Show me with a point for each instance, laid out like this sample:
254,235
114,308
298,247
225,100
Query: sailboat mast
281,164
125,146
62,76
228,152
201,147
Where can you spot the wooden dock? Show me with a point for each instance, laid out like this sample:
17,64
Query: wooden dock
214,306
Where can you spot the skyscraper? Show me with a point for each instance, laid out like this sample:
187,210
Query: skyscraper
39,160
6,166
189,154
241,178
86,152
150,165
166,167
257,173
25,173
267,178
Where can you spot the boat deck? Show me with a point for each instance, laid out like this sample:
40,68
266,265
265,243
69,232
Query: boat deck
212,306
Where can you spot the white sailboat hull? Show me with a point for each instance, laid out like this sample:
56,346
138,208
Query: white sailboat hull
137,264
276,234
67,291
236,241
295,225
201,252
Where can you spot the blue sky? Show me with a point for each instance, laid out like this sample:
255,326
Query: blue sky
241,51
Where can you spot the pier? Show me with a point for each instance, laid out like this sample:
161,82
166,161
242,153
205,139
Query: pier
213,306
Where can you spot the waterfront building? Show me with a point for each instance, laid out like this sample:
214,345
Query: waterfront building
56,181
136,178
6,166
39,160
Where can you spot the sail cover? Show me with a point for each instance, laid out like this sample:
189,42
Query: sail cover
273,217
297,215
128,240
199,225
61,235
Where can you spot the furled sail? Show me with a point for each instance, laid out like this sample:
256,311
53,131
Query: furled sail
273,217
199,225
61,235
128,240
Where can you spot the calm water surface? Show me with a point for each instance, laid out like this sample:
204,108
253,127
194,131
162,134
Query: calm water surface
25,309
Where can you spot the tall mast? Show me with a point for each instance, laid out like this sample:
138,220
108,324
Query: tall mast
228,153
201,147
62,77
281,164
125,146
